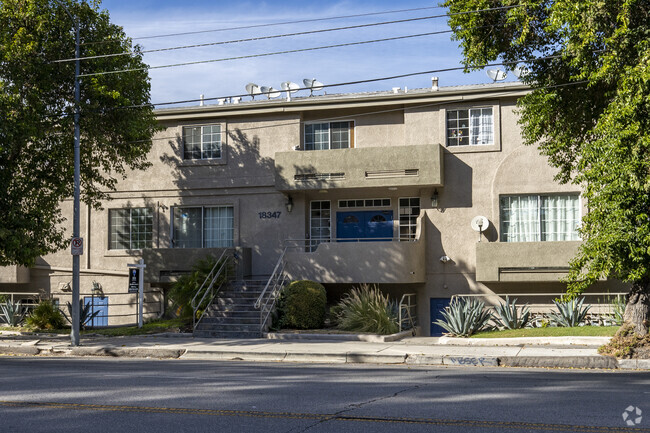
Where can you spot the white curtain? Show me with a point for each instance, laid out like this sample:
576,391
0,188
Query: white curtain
520,218
482,128
218,227
560,217
187,228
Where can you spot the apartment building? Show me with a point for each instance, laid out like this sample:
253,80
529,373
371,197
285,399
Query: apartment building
378,187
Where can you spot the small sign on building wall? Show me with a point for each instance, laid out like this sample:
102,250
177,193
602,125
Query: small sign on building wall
77,246
134,279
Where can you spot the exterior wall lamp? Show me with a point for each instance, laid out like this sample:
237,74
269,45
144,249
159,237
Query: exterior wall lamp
434,198
289,204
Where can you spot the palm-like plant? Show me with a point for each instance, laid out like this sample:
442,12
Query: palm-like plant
464,317
570,313
366,309
509,317
12,313
85,314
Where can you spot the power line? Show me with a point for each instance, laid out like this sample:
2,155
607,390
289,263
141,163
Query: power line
259,38
255,26
300,50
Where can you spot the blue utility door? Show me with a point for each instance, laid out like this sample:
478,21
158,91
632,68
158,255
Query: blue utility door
437,305
370,225
97,304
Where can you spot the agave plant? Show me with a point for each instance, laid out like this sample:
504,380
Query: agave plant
12,313
570,313
509,317
366,309
464,317
85,314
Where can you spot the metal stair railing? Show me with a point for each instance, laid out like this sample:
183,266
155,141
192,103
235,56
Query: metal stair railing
266,301
208,294
407,312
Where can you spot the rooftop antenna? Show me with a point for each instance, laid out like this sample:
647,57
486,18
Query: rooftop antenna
480,224
289,87
520,71
312,84
253,89
270,92
496,74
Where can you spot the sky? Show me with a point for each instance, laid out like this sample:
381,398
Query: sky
142,19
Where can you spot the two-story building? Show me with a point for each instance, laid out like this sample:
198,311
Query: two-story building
378,187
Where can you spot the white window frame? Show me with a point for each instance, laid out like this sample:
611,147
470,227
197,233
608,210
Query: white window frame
351,132
219,143
472,138
148,242
413,227
174,209
314,242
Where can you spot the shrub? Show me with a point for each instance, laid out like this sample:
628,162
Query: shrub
507,315
570,313
366,309
464,317
186,287
85,314
302,305
45,316
12,313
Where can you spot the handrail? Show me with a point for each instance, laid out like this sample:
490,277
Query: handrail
407,307
222,262
275,283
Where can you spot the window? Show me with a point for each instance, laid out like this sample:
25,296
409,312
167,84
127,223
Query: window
202,142
319,223
409,210
369,202
203,227
471,127
329,135
130,229
533,218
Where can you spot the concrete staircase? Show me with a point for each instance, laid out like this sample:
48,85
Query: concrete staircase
232,314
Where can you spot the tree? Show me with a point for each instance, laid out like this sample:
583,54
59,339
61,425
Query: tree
588,112
37,106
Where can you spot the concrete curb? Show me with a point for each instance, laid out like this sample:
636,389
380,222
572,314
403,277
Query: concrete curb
524,341
604,362
19,350
368,338
119,352
634,364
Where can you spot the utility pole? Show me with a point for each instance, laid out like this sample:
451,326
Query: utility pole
74,334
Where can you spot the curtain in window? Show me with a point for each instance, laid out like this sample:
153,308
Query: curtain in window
520,218
218,227
560,217
187,227
481,125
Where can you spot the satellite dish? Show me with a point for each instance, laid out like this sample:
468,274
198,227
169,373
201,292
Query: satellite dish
253,89
289,87
312,84
480,224
270,92
496,74
520,71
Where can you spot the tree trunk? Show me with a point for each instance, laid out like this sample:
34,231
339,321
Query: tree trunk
637,310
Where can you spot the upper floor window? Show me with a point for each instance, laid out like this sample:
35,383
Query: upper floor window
470,127
202,142
329,135
409,211
202,227
130,229
533,218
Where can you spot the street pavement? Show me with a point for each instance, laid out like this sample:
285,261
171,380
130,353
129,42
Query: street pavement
547,352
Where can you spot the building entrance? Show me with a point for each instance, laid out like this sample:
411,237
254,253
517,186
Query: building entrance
365,225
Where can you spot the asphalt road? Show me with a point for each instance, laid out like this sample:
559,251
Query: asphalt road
114,395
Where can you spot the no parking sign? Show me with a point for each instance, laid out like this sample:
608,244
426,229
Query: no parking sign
77,246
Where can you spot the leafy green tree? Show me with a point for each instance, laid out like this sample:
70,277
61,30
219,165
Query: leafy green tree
37,106
588,112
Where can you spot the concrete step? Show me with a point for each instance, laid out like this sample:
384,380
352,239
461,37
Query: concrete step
231,320
228,327
227,334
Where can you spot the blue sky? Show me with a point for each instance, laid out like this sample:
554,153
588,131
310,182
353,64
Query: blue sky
142,18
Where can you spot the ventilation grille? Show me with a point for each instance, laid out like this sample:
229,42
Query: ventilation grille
305,177
382,174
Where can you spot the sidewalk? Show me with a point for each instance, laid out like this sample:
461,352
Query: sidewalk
552,352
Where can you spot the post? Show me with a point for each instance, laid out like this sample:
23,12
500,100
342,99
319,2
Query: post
141,293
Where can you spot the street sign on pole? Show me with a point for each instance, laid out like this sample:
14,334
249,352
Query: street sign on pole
77,246
136,272
134,280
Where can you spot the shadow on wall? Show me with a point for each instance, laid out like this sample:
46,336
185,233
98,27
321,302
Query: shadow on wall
458,182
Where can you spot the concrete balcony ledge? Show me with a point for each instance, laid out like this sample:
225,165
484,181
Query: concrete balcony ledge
359,168
524,261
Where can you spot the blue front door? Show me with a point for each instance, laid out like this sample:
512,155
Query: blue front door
97,304
365,225
437,305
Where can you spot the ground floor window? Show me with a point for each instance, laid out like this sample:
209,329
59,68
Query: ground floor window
203,227
409,210
534,218
320,223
